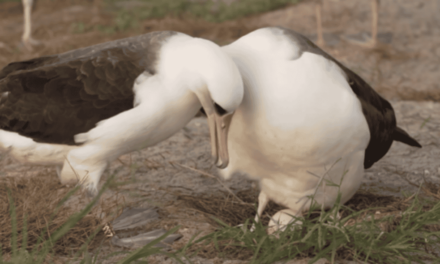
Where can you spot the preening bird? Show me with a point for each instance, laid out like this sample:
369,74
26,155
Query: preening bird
82,109
305,121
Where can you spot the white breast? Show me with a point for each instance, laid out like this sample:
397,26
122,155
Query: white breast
298,117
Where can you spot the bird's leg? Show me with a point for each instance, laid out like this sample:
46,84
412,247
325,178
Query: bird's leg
263,199
318,10
372,41
281,219
374,22
27,6
27,39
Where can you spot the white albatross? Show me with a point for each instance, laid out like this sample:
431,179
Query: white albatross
305,121
82,109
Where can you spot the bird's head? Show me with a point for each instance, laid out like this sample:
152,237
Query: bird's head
220,95
216,81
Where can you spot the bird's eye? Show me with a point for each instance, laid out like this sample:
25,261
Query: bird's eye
219,109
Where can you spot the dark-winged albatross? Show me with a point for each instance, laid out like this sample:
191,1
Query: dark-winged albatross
86,107
305,121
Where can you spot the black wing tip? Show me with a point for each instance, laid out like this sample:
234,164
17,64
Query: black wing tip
402,136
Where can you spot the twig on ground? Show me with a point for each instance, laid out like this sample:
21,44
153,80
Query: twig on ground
212,176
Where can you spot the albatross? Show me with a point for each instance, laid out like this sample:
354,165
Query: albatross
82,109
306,123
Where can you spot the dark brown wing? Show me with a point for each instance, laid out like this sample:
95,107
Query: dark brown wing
377,111
53,98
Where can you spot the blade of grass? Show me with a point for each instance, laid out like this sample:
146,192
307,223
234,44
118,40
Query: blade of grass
75,218
86,244
24,233
14,224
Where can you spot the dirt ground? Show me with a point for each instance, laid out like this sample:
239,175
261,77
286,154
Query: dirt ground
404,68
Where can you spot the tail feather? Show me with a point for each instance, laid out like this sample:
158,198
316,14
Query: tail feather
401,135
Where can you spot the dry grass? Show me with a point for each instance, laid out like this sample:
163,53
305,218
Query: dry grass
232,212
227,209
37,199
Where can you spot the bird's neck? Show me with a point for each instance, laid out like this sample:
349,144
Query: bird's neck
167,111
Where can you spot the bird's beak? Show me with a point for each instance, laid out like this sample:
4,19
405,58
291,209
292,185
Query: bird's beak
221,128
218,131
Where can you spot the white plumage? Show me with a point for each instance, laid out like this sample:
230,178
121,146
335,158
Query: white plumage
301,126
302,121
178,75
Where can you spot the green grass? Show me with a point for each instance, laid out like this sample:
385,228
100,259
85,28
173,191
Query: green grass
43,249
43,252
413,236
411,239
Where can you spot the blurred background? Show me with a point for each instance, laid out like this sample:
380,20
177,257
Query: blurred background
404,63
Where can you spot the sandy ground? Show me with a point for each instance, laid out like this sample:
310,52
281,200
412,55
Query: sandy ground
404,68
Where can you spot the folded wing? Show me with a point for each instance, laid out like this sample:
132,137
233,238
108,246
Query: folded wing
377,111
50,99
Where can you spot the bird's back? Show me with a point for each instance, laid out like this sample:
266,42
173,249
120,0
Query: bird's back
53,98
298,111
317,89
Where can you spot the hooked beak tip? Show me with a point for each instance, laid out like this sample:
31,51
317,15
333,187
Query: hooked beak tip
222,165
